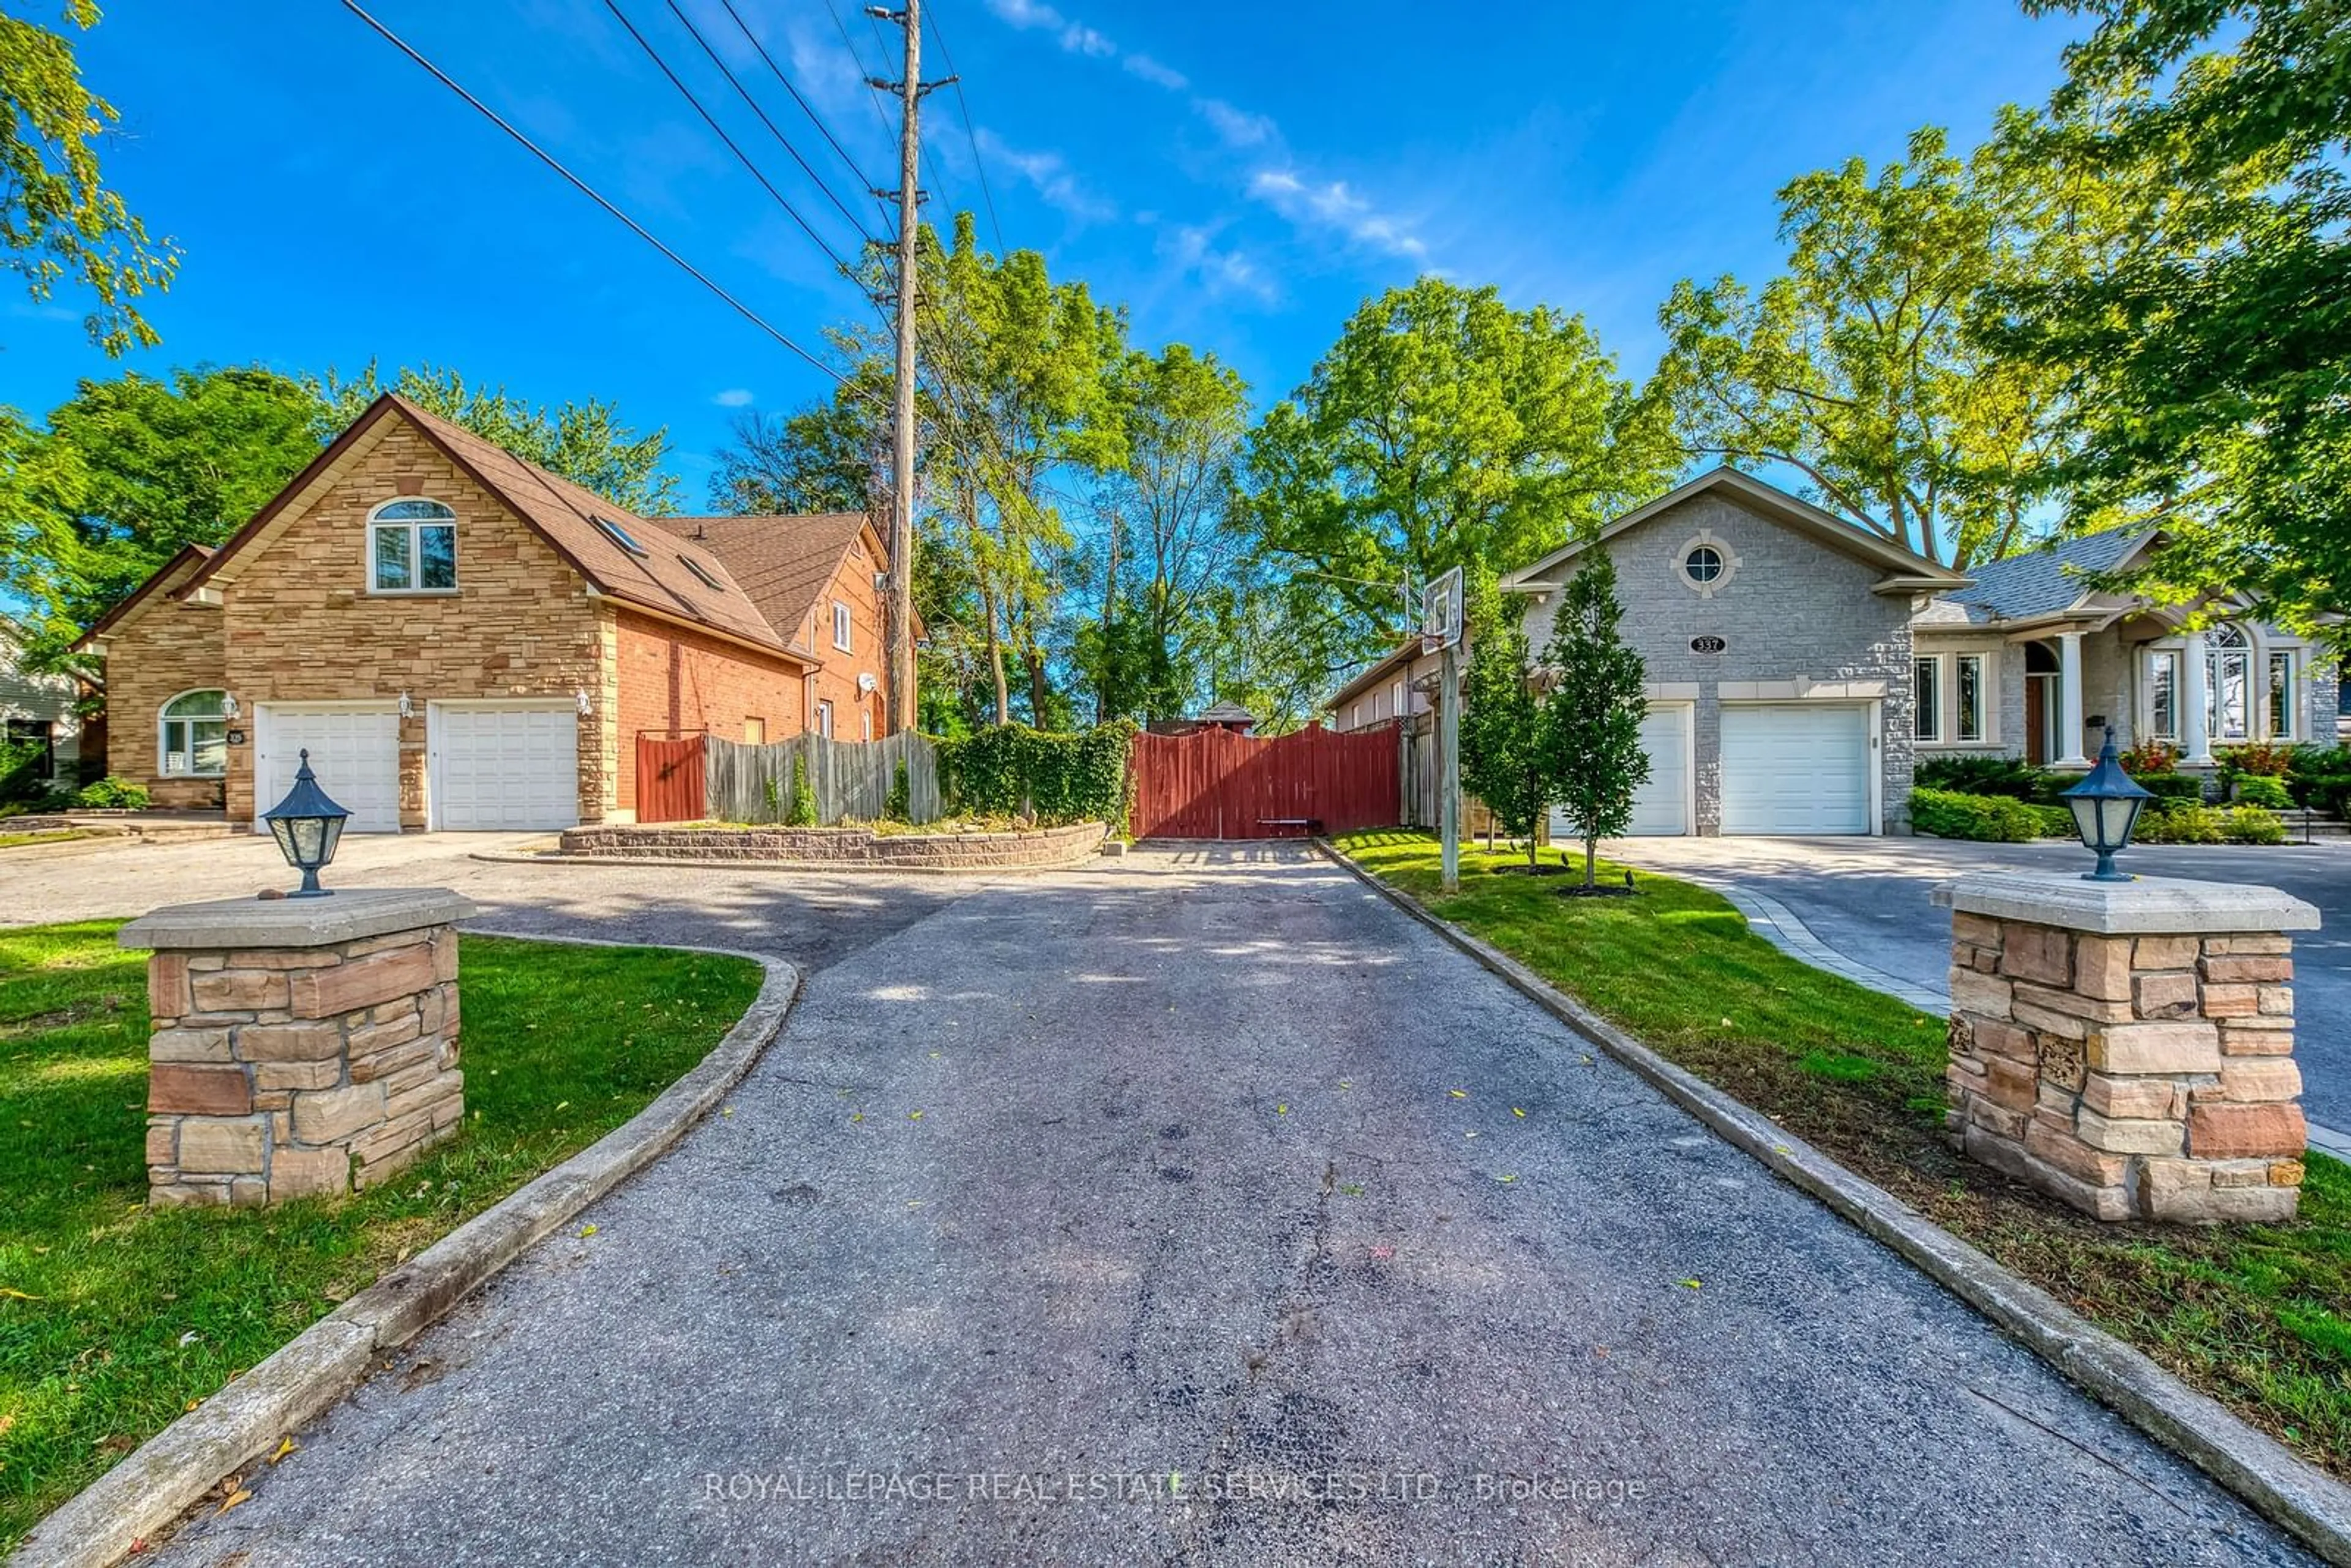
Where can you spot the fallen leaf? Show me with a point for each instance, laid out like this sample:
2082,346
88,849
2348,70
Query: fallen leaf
727,1110
1782,1149
1506,1179
586,1231
1458,1093
240,1495
1344,1083
914,1115
16,1295
563,1105
858,1116
284,1447
1687,1284
1516,1112
188,1338
1282,1110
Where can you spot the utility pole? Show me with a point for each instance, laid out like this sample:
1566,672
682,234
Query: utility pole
899,635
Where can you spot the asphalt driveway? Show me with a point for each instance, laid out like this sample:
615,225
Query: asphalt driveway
1867,898
1179,1210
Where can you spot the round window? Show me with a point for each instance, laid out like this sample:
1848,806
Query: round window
1703,564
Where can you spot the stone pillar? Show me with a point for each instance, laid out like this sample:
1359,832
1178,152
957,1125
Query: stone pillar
302,1047
2128,1047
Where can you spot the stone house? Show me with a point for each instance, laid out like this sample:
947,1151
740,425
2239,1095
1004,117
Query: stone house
462,640
1798,667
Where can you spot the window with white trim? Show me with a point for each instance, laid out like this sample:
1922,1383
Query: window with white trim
841,627
1968,696
2163,695
2283,704
824,719
1927,698
1395,700
866,719
412,547
192,736
2227,684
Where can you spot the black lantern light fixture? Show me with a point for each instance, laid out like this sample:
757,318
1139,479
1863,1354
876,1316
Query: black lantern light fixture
307,826
2105,806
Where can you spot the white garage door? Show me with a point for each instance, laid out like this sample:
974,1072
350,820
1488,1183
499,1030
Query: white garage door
1800,768
505,767
1661,806
354,753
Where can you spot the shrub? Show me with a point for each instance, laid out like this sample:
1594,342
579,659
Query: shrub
900,805
2185,787
2181,823
2149,756
2264,790
1013,770
1987,819
2056,822
803,813
112,793
2007,776
2252,825
20,772
2259,758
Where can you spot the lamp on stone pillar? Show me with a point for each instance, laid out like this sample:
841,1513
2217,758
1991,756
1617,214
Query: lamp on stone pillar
2106,808
2069,703
307,826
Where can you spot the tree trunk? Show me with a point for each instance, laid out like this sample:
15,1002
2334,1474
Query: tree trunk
1590,848
1534,862
995,654
1035,660
1110,613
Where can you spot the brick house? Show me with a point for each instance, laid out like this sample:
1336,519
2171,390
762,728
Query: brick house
462,640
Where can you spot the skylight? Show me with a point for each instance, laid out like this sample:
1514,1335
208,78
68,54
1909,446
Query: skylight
618,535
701,575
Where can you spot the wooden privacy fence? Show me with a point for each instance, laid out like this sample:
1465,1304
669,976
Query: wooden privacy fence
851,778
1213,784
670,778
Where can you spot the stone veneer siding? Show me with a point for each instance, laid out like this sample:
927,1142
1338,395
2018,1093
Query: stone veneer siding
1794,611
2134,1077
164,648
839,846
299,1072
303,627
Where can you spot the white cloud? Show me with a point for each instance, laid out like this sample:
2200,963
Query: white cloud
1080,39
1152,71
1192,248
1239,127
1050,174
735,397
1026,13
1335,207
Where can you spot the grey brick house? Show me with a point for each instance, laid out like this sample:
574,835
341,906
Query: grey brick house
1799,666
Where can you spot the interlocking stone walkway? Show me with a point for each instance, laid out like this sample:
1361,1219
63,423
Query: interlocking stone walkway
1206,1167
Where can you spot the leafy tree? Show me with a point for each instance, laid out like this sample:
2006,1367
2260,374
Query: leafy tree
831,457
2209,358
1167,540
1505,761
585,443
1857,367
1591,721
1445,429
59,222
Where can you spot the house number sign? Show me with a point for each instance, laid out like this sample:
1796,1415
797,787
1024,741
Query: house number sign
1709,645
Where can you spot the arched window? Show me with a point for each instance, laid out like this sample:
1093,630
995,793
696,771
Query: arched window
192,736
2228,683
411,547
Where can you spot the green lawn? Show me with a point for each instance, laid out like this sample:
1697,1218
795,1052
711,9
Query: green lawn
58,836
2259,1317
114,1320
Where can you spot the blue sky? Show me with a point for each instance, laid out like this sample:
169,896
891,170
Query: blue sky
1241,175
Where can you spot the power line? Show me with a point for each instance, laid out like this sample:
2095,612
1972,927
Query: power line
744,93
851,44
397,42
963,106
864,181
708,118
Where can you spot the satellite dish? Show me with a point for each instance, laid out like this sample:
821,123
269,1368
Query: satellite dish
865,681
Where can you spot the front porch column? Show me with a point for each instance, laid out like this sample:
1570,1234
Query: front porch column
2195,727
2069,704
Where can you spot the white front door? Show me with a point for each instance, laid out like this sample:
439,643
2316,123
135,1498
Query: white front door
354,754
1661,805
496,767
1795,768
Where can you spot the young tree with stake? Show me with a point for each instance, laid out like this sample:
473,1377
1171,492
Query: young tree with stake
1591,721
1504,761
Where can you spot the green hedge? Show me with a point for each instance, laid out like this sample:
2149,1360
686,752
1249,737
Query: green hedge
2185,787
2179,824
2011,777
1014,771
1986,819
2264,790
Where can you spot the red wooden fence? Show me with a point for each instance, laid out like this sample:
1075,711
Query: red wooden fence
670,780
1213,784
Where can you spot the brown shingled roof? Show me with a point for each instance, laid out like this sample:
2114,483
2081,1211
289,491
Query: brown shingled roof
782,562
564,514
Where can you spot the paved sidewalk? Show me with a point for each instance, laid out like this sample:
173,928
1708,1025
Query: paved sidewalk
1205,1165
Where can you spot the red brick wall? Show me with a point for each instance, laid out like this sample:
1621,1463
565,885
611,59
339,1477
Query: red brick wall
837,682
673,679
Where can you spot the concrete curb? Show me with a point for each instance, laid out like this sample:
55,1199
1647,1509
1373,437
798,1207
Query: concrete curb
171,1472
2312,1505
835,868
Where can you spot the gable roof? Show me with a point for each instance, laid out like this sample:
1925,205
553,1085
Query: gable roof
1905,570
169,576
562,513
783,563
2049,580
1400,657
